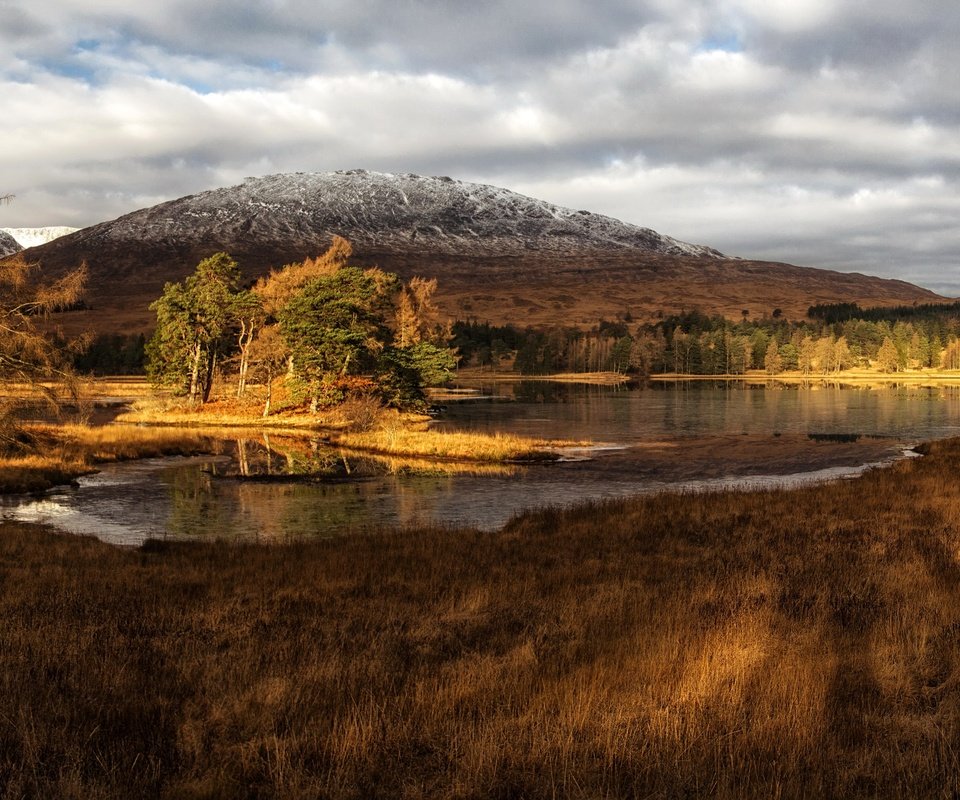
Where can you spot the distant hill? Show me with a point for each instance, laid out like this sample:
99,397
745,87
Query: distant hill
8,244
33,237
499,255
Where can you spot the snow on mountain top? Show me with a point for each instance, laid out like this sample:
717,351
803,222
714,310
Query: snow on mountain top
31,237
410,212
8,245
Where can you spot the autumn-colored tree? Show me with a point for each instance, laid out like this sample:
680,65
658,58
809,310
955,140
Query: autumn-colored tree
888,358
417,318
771,359
28,353
280,286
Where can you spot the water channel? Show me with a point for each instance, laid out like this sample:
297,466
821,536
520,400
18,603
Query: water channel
687,436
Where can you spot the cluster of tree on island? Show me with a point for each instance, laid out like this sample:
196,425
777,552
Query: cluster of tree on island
328,327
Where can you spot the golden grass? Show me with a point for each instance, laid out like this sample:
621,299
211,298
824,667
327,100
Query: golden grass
160,410
463,446
390,433
64,452
764,644
847,376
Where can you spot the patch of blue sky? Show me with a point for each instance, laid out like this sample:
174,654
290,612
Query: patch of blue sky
199,87
274,65
86,45
247,74
72,68
728,43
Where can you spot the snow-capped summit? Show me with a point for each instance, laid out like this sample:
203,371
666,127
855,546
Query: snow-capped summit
381,212
33,237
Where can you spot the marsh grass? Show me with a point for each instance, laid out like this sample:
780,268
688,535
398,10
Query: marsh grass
354,427
742,644
56,454
403,440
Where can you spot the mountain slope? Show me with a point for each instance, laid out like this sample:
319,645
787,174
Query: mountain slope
8,244
498,255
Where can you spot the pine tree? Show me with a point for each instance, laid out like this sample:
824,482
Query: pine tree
336,326
193,319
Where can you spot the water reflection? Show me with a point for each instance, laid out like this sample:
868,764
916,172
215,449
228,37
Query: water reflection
277,486
702,408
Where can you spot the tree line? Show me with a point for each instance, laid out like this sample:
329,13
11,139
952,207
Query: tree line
329,328
699,344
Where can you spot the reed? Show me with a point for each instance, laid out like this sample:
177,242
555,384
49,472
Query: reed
464,446
57,454
741,644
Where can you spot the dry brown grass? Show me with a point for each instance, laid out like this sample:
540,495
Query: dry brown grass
403,440
771,644
387,432
60,453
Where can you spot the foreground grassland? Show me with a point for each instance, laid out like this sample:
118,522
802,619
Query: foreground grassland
771,644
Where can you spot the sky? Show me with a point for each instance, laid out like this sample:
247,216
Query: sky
818,132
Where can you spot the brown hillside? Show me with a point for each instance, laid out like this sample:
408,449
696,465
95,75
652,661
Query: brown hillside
499,256
537,290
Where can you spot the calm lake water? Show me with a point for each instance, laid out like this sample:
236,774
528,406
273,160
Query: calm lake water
205,497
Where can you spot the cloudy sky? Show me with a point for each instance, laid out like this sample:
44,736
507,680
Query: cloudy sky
819,132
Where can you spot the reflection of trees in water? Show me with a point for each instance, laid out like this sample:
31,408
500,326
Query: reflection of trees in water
197,508
273,455
540,392
202,506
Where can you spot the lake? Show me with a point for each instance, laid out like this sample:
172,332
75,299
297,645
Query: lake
690,436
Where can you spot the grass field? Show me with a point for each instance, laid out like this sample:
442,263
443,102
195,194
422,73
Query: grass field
766,644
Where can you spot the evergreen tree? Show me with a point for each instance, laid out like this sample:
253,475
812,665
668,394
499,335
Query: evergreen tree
193,319
336,326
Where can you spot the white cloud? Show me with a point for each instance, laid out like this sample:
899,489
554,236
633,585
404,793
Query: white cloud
803,130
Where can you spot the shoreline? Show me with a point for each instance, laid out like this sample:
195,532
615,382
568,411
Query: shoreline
932,377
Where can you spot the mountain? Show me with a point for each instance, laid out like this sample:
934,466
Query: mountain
8,244
32,237
498,255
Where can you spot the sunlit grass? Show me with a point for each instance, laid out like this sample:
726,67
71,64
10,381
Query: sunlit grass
450,444
386,432
56,454
739,644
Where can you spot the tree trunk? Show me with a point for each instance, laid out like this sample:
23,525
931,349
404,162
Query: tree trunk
244,342
208,383
266,405
195,372
242,378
